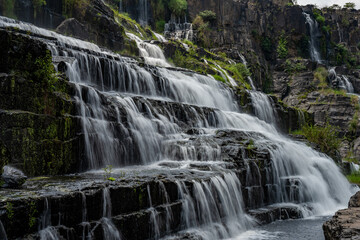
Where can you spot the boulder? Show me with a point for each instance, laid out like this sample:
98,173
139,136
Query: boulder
12,177
345,224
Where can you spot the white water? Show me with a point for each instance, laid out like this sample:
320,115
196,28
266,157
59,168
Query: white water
110,230
342,81
147,129
314,35
262,106
160,37
152,54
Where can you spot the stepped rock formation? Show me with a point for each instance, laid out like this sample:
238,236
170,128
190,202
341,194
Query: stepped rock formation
131,143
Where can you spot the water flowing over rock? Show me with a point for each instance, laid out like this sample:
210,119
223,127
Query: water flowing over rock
314,35
179,128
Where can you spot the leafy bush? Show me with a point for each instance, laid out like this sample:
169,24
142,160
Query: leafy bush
178,7
160,26
292,67
208,15
320,19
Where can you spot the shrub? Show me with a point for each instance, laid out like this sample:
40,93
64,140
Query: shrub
178,7
208,15
291,67
160,26
282,50
320,75
320,19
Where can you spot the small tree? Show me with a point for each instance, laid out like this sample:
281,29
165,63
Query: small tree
208,15
350,5
178,7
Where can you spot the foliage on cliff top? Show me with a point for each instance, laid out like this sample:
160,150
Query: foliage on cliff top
178,7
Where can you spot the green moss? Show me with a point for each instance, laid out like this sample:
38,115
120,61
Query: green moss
9,210
32,212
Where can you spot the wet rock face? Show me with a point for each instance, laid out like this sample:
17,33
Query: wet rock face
346,223
38,133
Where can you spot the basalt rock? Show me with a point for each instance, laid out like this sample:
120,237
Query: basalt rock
345,224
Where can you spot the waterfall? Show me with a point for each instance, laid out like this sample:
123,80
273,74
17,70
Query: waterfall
262,107
340,81
134,115
347,84
314,35
110,230
2,232
243,60
152,54
143,12
216,210
47,231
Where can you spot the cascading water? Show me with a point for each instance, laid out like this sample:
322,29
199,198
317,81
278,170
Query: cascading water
110,231
140,115
262,106
152,54
340,81
314,35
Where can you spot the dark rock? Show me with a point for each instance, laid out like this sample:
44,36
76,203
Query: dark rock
355,201
345,224
12,177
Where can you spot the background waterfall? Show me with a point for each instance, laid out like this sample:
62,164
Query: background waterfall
314,35
133,115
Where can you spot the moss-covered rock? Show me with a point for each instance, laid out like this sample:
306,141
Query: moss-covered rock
38,132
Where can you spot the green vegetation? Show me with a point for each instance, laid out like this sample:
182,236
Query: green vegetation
178,7
320,76
325,137
354,177
292,67
32,213
9,210
349,5
108,172
160,26
8,8
208,15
